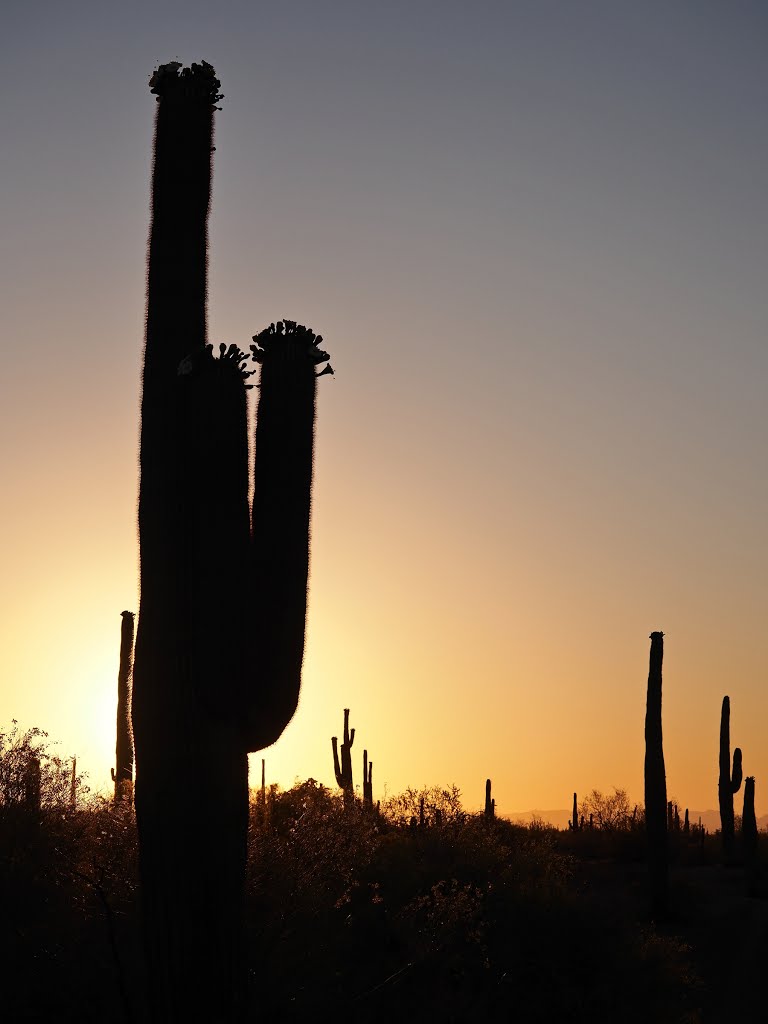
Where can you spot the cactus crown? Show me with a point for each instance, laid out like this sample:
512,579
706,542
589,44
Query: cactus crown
197,81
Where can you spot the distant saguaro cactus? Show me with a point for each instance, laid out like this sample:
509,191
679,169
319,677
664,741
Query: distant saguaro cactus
122,773
220,637
656,785
573,824
73,786
367,780
343,770
728,783
749,835
490,803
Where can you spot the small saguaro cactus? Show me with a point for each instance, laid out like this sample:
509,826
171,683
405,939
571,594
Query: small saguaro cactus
573,824
367,780
729,782
490,804
73,786
656,784
749,834
343,770
122,773
686,824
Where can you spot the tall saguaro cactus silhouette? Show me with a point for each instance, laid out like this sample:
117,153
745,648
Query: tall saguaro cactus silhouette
728,782
221,626
656,785
343,770
122,773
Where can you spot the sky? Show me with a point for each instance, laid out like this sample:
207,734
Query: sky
534,237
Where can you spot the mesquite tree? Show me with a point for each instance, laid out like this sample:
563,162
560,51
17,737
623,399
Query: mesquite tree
122,773
656,784
728,783
221,626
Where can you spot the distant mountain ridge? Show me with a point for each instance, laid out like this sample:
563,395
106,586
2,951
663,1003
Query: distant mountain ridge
709,819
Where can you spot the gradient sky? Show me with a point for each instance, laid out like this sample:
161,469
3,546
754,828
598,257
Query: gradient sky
534,236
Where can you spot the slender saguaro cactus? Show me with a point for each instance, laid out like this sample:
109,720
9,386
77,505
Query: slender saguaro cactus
490,804
573,824
367,780
343,770
656,785
221,626
727,783
749,835
73,786
122,773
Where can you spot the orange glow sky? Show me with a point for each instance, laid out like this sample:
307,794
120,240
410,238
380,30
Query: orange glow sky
533,235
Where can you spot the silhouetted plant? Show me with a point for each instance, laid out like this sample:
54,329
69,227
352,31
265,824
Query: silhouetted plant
343,769
573,824
656,784
728,783
749,834
223,600
490,803
608,812
367,780
122,773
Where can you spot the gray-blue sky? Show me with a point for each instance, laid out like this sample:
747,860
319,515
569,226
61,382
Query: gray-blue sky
534,235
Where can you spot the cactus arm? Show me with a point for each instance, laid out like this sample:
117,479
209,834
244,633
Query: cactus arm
737,771
281,512
336,765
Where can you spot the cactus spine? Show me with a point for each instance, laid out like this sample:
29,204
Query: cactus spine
490,803
221,625
656,784
122,773
367,780
343,770
728,783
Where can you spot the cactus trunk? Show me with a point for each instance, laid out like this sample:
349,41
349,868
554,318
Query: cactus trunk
656,785
490,803
728,783
122,773
222,615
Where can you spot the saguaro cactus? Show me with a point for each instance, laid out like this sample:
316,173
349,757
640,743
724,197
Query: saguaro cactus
573,824
367,780
728,783
490,804
122,773
656,784
343,770
221,626
749,834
